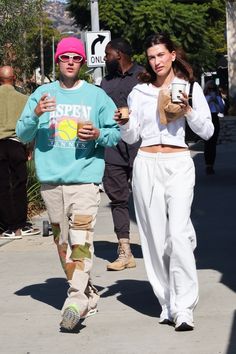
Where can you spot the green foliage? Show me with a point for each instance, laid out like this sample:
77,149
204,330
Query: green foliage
80,10
120,18
33,45
20,36
35,202
198,26
217,25
17,17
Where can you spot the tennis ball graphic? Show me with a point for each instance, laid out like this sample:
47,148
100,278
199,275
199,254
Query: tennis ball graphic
67,129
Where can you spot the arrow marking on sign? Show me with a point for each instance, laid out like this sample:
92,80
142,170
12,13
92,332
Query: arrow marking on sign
99,39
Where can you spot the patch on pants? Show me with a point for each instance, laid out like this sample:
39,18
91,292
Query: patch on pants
81,222
71,267
80,252
56,230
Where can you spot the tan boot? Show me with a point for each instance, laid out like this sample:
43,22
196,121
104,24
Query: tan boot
125,258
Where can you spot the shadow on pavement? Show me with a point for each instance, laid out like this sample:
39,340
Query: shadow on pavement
136,294
214,218
52,292
108,250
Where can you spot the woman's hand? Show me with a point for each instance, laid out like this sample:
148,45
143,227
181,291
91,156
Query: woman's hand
185,103
118,118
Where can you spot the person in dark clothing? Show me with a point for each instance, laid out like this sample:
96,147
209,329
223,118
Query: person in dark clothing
13,157
216,105
118,83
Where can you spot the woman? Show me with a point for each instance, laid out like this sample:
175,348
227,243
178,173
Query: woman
217,106
164,178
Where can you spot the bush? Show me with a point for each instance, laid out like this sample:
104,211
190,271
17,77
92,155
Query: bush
35,202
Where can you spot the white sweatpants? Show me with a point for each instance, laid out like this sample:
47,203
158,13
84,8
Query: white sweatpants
163,186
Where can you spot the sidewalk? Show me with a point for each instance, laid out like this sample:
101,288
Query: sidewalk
33,286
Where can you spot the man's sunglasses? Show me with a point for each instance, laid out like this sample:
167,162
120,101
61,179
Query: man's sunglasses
66,57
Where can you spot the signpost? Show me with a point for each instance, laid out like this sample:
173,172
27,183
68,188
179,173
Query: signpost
95,47
231,45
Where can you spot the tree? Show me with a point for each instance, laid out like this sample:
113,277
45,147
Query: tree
185,23
16,17
196,25
20,36
33,45
80,11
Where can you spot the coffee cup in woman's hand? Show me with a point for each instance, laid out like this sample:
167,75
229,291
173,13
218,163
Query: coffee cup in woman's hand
122,115
177,89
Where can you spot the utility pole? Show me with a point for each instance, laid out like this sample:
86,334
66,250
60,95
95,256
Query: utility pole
41,44
53,60
97,74
231,48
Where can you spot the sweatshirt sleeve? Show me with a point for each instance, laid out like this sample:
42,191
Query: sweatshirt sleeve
130,132
27,125
109,129
199,117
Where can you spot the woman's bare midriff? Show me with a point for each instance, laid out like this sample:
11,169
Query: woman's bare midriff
163,148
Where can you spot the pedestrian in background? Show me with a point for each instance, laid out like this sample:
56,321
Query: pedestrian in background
164,177
13,157
121,77
217,107
71,122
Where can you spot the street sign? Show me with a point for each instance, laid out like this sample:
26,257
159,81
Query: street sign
95,47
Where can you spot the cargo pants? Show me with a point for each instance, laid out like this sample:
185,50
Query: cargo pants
72,210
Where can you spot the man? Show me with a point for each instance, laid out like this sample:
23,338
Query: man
121,78
13,157
71,122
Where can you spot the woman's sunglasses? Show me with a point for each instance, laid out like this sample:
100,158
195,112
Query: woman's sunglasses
66,57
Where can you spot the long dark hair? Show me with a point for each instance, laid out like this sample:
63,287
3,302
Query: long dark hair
181,67
210,86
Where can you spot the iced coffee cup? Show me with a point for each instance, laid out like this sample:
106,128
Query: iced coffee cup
176,91
51,97
124,112
81,124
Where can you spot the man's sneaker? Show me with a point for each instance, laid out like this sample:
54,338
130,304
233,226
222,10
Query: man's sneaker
90,313
70,317
125,258
184,322
10,235
29,230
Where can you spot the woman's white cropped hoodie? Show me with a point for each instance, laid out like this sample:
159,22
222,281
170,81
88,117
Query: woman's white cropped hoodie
144,119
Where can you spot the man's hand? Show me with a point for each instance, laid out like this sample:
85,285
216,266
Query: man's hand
88,132
45,104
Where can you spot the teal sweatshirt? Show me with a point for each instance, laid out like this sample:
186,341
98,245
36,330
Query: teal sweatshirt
60,157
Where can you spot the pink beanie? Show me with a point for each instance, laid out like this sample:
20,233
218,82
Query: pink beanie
70,45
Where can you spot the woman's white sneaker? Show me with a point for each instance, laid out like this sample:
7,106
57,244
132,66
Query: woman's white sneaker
165,317
183,322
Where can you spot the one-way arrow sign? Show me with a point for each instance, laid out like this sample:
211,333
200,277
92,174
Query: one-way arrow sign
97,40
95,47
